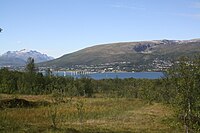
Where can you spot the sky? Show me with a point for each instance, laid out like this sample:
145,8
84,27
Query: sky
58,27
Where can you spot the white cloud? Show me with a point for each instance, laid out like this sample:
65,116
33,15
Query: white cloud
19,42
196,16
123,6
196,5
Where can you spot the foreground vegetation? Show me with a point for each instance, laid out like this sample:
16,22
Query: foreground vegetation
108,105
88,115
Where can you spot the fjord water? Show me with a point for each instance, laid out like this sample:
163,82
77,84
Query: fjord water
112,75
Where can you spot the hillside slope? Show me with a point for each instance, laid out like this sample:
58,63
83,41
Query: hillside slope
135,52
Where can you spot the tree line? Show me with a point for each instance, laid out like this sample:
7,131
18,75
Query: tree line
180,87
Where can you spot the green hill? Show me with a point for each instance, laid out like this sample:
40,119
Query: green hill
134,52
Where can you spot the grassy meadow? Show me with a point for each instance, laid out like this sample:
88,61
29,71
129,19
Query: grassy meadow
88,115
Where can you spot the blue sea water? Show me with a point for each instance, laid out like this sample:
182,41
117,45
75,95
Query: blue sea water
112,75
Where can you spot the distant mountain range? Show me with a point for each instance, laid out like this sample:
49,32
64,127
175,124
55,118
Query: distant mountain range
19,58
134,52
142,52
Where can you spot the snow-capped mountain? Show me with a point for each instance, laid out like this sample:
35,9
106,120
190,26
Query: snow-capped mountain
16,58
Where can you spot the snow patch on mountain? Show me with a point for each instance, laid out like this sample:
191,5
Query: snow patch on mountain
24,54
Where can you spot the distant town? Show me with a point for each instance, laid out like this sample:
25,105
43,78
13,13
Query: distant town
157,65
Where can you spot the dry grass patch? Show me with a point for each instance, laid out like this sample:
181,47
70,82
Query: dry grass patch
104,115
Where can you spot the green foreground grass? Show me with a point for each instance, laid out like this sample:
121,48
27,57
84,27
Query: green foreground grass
89,115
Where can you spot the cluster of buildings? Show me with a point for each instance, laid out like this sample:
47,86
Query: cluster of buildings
155,65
